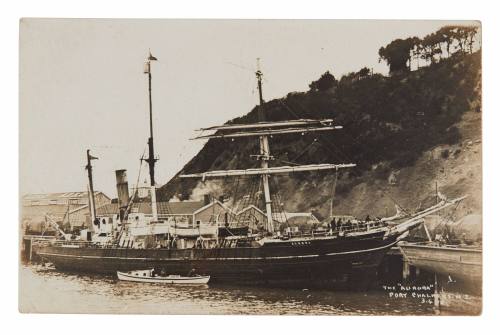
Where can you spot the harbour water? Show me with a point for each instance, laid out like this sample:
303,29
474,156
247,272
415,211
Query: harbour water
46,290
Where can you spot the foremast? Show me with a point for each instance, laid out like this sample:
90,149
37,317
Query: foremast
92,206
151,152
264,155
263,129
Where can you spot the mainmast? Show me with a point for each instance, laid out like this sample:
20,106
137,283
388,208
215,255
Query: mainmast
263,129
151,153
264,155
88,167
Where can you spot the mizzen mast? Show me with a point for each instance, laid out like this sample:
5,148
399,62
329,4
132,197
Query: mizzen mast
151,153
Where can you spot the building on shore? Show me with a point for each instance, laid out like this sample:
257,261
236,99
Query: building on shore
251,216
296,218
254,218
184,213
186,222
69,209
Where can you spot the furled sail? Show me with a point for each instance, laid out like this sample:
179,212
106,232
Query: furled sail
267,171
266,132
275,124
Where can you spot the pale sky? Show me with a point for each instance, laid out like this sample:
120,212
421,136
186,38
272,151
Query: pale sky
82,85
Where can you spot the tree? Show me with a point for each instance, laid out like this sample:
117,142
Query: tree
416,52
431,45
446,34
397,54
461,37
325,82
364,72
460,34
471,33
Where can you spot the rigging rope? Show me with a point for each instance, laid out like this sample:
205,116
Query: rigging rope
333,192
449,216
280,202
235,194
355,140
247,199
305,150
287,162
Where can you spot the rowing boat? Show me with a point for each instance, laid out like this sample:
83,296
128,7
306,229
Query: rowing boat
148,276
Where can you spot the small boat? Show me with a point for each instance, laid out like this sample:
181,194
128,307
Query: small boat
149,276
456,261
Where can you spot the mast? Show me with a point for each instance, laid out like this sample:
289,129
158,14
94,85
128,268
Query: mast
437,194
334,186
263,129
88,167
69,207
264,154
151,153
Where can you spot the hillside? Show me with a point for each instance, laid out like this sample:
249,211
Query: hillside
405,132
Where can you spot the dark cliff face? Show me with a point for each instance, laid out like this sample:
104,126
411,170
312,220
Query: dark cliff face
389,122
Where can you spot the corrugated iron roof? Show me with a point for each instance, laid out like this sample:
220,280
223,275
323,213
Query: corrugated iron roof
57,211
295,217
59,195
251,207
164,208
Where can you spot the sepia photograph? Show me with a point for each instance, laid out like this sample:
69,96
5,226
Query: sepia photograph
250,167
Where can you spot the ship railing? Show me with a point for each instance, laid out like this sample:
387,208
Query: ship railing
39,237
358,227
83,244
75,243
343,229
42,240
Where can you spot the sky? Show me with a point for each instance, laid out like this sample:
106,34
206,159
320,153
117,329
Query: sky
82,85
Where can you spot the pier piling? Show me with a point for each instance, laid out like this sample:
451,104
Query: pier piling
406,270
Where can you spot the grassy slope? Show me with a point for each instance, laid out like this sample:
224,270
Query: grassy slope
458,174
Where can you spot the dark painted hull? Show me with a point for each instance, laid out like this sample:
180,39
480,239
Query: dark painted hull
337,262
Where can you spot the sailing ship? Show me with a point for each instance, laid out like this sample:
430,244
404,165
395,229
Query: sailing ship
341,258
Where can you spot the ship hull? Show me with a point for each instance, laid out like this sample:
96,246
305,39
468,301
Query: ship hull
464,264
349,263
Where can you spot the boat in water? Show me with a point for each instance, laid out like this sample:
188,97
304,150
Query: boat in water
457,261
344,257
454,253
150,276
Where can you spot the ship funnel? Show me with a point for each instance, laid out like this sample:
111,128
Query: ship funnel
122,189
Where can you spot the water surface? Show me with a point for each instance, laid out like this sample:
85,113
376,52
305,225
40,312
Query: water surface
46,290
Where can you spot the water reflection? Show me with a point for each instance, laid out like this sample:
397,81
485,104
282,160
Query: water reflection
49,291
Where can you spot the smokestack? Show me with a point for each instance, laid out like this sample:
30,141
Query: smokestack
122,189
